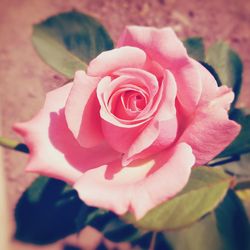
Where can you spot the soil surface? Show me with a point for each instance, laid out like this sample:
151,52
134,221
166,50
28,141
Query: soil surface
25,78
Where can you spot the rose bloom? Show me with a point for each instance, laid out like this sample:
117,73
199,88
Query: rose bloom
127,133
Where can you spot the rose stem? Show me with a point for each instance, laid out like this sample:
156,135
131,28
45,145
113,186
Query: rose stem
153,241
12,144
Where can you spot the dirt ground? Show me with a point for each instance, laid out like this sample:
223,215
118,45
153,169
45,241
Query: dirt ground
25,78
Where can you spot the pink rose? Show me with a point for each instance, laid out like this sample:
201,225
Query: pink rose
127,133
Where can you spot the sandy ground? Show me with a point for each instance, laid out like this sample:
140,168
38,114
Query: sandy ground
25,78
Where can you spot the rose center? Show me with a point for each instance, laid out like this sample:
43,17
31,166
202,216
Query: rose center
133,101
127,103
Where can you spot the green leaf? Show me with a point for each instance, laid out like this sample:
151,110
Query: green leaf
112,227
160,241
46,212
118,231
244,195
195,48
68,41
50,210
35,192
201,235
213,72
205,189
227,64
224,229
232,223
242,142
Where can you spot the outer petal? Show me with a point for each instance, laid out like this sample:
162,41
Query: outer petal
163,46
140,187
209,84
53,149
82,111
189,85
211,131
109,61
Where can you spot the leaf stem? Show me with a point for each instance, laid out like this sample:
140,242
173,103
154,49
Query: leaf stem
220,161
153,241
243,184
12,144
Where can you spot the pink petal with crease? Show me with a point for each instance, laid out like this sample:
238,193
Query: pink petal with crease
211,131
109,61
143,141
209,84
140,187
189,85
54,151
82,111
162,45
121,138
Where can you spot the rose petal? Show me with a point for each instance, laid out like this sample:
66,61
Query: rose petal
109,61
54,151
143,141
137,188
189,85
121,138
170,175
154,67
140,81
163,46
225,96
167,109
209,84
112,92
129,138
211,131
117,133
82,111
162,130
104,90
143,77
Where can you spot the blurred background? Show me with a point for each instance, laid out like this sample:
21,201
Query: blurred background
25,78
